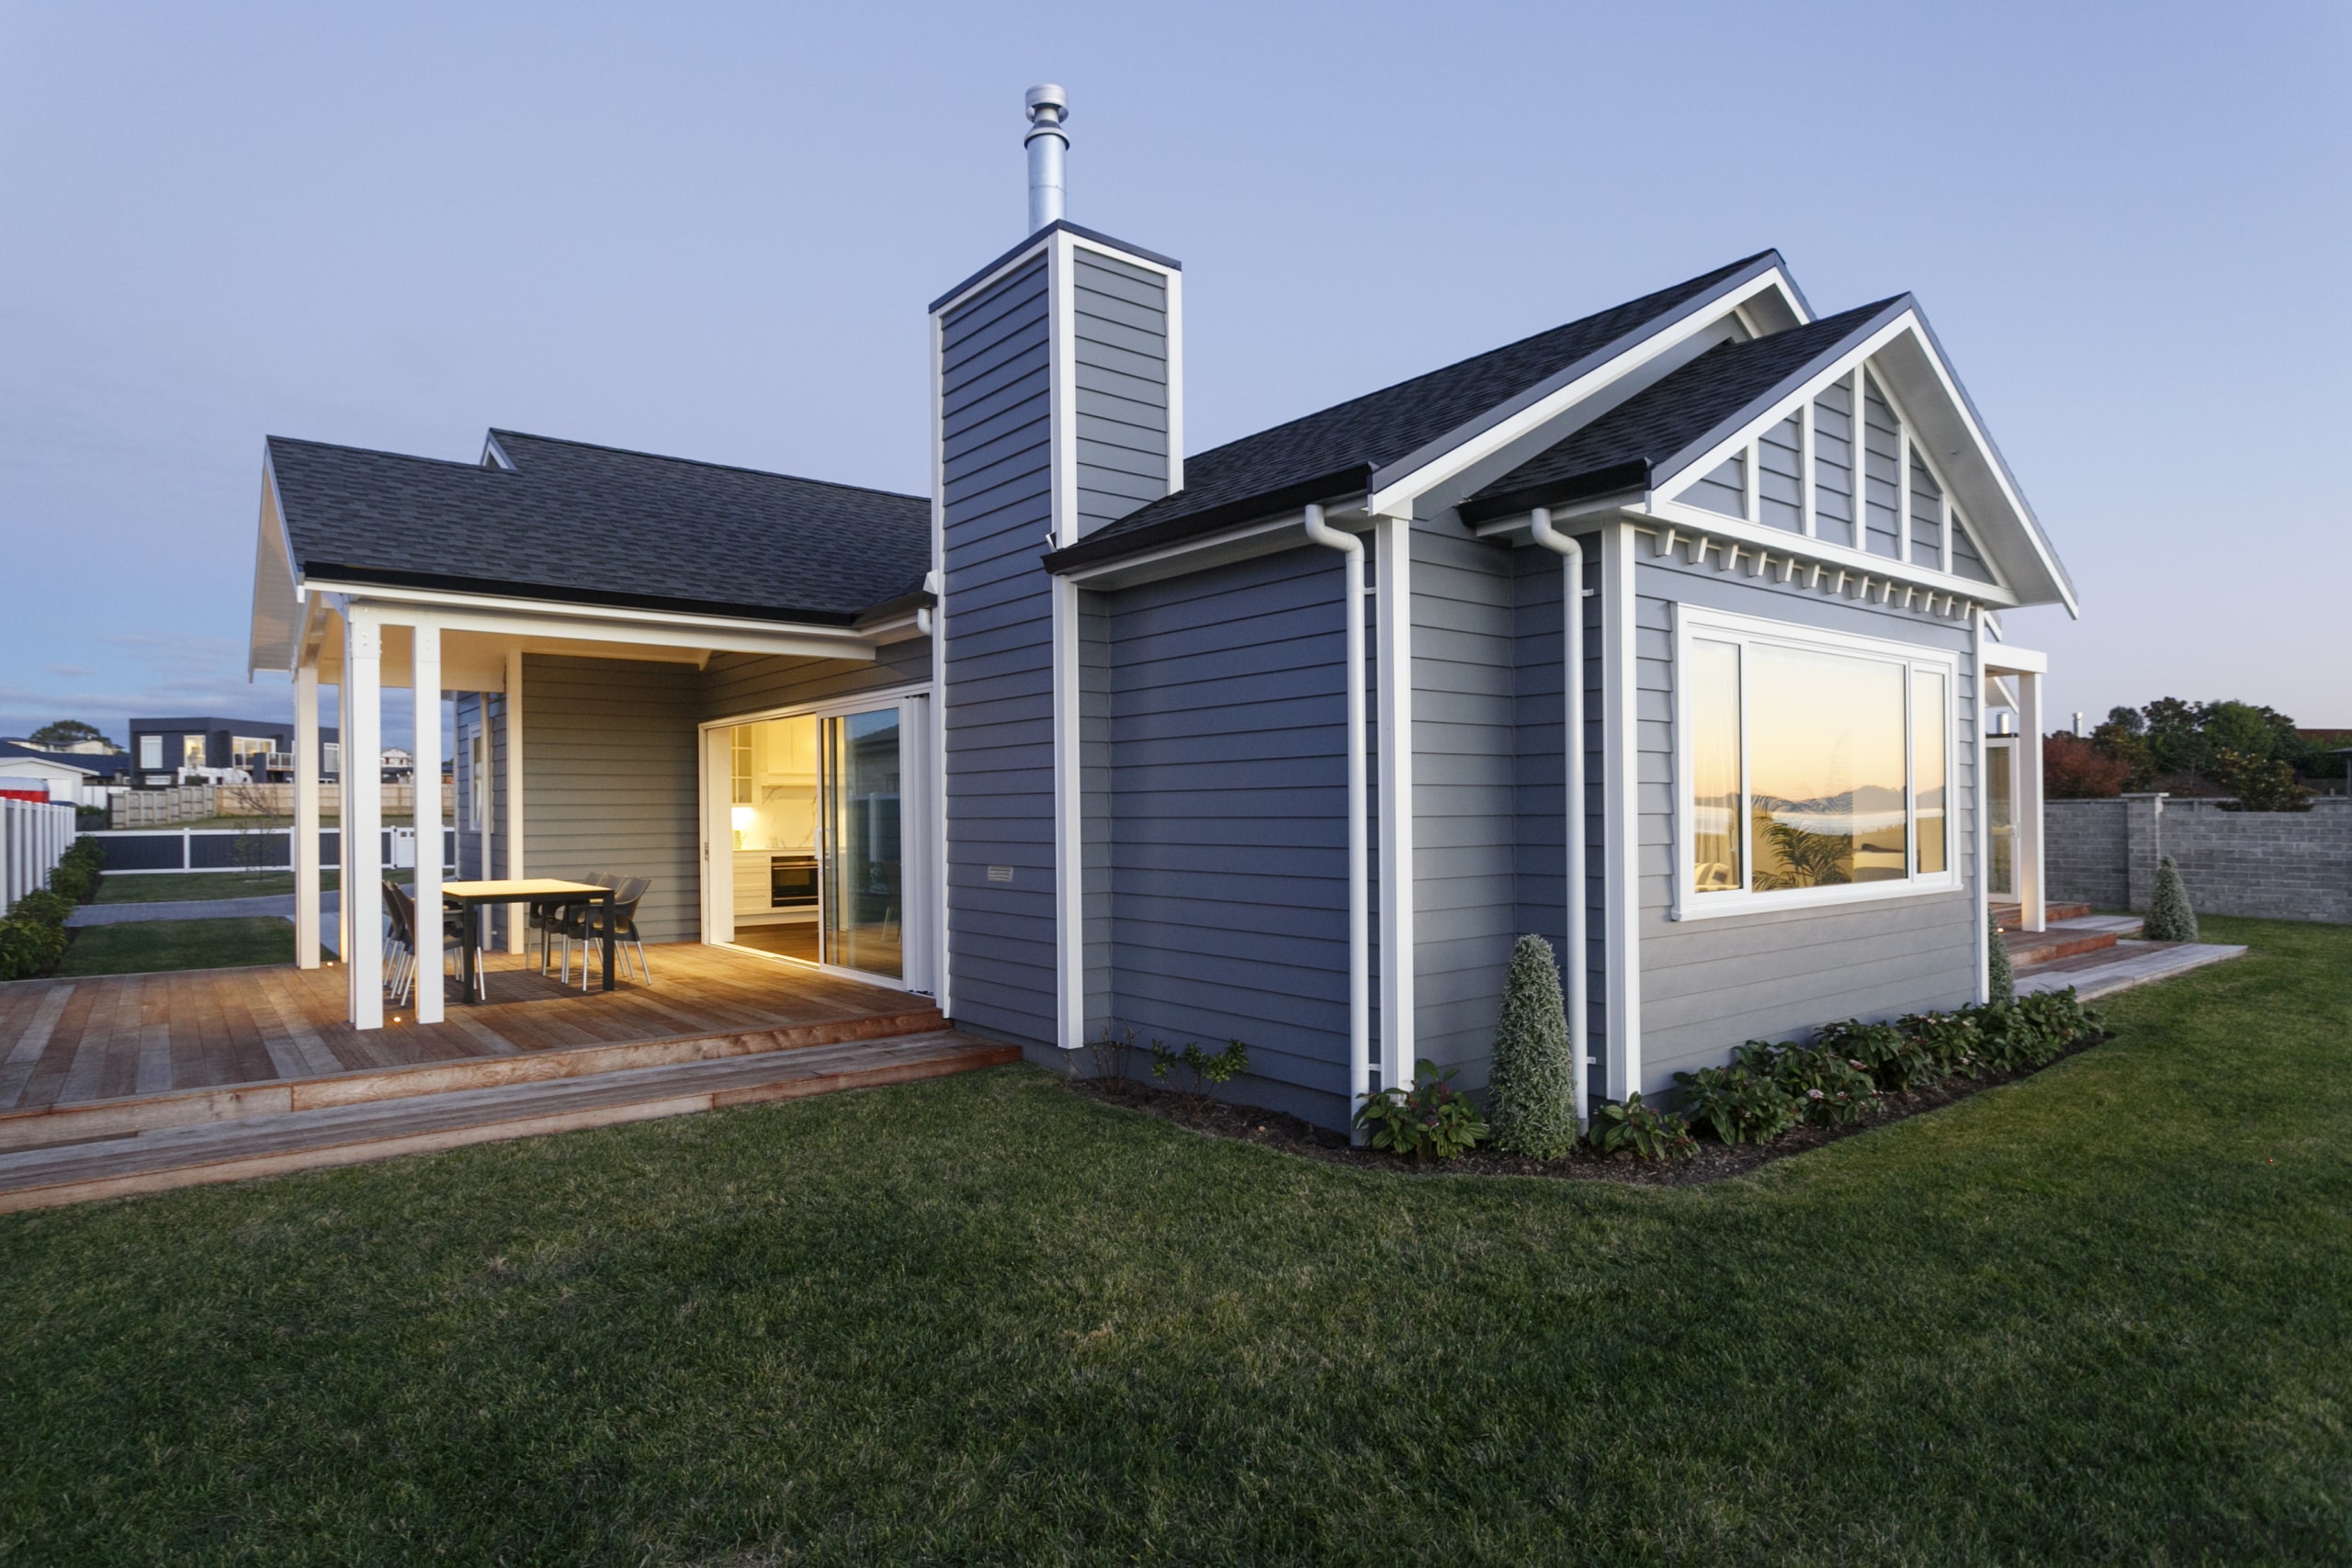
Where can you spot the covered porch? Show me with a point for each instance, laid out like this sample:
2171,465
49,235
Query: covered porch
2011,755
613,775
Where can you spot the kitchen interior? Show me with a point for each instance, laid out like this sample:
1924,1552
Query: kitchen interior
773,817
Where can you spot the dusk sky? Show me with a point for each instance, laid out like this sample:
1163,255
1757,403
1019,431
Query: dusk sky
712,232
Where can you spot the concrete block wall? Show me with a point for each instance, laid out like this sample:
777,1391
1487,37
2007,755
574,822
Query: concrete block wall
2269,864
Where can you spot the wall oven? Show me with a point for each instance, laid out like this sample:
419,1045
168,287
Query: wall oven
792,882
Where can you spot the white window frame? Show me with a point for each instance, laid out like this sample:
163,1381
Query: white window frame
1695,623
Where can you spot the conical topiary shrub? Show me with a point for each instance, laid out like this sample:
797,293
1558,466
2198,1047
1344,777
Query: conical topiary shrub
2169,917
1530,1090
2000,980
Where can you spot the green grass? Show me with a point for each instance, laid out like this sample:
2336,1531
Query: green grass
986,1319
146,946
164,887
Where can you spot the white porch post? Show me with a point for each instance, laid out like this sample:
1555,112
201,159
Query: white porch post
363,813
1393,653
516,937
2033,905
306,817
424,662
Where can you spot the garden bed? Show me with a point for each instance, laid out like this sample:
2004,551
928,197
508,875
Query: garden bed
1712,1161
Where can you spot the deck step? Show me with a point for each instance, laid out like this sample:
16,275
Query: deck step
2012,917
2128,963
353,1133
89,1120
2068,939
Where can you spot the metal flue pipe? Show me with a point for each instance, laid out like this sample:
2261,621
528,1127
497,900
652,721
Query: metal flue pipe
1049,107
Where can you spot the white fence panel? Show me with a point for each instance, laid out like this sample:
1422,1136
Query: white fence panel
33,839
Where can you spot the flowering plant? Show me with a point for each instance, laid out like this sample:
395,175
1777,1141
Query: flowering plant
1431,1120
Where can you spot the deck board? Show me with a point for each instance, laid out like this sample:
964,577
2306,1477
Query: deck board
106,1037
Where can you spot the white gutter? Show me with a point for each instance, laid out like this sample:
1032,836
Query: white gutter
1351,550
1571,554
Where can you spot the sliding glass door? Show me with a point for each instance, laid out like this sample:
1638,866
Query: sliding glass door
862,908
805,851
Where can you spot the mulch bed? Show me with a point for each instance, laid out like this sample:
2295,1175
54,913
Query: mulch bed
1712,1162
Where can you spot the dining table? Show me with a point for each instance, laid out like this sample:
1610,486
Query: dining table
473,896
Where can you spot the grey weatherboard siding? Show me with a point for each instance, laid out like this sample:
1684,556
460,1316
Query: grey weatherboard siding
996,507
1119,315
734,684
1489,780
610,780
1228,819
1708,985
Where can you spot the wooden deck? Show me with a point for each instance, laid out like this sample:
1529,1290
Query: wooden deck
67,1044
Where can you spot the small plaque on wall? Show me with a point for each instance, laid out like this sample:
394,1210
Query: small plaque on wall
999,874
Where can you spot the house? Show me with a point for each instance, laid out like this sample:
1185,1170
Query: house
1669,633
81,778
166,751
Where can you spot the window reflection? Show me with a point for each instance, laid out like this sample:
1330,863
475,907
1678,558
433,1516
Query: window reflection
1929,742
1824,769
1715,751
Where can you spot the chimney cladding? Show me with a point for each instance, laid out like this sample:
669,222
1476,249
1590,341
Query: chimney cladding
1049,107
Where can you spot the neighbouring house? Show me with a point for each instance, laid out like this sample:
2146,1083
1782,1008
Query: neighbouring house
165,751
1671,633
79,778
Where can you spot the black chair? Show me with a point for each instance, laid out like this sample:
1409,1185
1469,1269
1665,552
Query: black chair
550,916
589,930
400,904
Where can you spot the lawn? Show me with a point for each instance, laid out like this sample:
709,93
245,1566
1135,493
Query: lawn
145,946
163,887
984,1318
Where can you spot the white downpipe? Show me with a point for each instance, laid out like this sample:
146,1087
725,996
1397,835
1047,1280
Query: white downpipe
1571,556
1351,550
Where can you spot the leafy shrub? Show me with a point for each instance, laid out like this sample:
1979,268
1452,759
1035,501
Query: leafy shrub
1431,1120
1949,1040
2076,768
30,949
1740,1103
1531,1089
42,906
1892,1058
2000,976
2170,919
1830,1089
1638,1130
1206,1069
2060,1015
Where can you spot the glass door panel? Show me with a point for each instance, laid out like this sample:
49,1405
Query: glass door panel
860,871
2000,817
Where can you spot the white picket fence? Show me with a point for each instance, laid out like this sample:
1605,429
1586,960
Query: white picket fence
33,839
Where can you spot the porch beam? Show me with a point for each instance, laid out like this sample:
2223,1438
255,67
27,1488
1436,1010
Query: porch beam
306,817
425,663
512,825
363,814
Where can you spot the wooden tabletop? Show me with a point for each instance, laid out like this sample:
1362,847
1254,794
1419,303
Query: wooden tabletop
517,888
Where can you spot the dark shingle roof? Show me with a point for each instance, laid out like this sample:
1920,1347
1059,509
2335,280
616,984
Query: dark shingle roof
1680,416
1329,453
597,525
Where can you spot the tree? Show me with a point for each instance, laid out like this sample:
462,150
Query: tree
1531,1089
2170,919
2176,735
2124,737
2258,783
2076,768
63,733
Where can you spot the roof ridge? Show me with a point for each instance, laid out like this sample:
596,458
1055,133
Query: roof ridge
496,431
1697,281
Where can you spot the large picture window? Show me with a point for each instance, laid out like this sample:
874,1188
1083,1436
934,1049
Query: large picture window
1818,766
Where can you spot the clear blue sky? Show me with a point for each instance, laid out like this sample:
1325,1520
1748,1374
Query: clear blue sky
712,232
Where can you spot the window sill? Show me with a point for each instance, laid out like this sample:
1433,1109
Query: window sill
1693,905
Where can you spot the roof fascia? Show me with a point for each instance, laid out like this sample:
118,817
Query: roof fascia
1884,336
1035,243
1396,486
1264,537
384,583
457,600
494,456
1335,491
272,527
